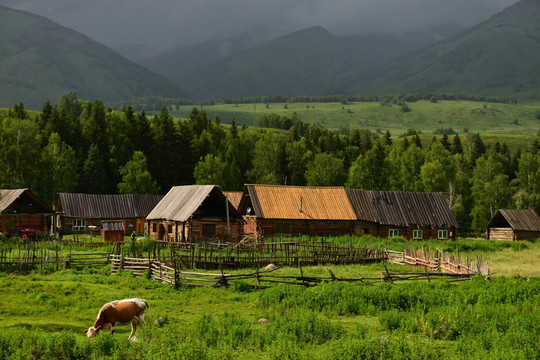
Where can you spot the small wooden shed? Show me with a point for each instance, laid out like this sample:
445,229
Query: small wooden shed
20,209
112,230
514,225
195,212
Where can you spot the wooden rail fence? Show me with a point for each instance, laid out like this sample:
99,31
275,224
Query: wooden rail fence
165,263
51,257
438,261
216,256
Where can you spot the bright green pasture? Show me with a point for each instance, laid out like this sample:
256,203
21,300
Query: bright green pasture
43,316
425,116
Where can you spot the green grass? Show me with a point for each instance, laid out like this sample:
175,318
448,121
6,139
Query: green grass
424,115
44,316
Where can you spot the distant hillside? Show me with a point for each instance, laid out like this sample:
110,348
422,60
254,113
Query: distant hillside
499,57
186,59
42,61
305,62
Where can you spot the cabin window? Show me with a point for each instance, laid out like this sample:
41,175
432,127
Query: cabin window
417,234
208,230
283,228
366,230
79,225
154,227
393,232
442,234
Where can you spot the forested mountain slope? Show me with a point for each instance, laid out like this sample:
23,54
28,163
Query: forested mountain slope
305,62
41,60
499,57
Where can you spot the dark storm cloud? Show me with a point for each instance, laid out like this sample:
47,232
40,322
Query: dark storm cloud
162,24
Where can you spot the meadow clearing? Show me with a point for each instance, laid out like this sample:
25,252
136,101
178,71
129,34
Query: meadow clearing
44,314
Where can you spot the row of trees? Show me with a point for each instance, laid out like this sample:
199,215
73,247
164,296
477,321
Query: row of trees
80,146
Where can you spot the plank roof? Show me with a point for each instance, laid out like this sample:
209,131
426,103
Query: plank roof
112,225
402,208
183,202
23,202
521,220
234,197
100,206
297,202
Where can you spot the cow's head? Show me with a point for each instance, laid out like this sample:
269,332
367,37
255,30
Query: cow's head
91,332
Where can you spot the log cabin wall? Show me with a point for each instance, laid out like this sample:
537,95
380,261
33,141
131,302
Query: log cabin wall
270,227
500,233
14,223
527,235
204,228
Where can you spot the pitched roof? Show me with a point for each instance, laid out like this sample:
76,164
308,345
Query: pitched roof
23,202
297,202
522,220
234,197
112,225
98,206
402,208
182,202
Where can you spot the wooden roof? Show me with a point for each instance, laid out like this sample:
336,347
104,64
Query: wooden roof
521,220
98,206
112,225
402,208
234,197
22,201
184,202
297,202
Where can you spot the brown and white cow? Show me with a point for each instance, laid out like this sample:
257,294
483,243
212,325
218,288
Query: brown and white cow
120,312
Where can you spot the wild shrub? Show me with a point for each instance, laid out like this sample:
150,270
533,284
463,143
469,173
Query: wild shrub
305,327
226,329
391,319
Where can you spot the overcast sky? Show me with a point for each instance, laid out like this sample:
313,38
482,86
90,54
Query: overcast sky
162,24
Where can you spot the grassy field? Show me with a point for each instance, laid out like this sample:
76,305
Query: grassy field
424,116
44,314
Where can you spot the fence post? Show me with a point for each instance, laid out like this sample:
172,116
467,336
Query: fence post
149,264
122,258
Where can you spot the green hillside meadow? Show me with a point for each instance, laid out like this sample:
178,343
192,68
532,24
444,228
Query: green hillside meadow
513,124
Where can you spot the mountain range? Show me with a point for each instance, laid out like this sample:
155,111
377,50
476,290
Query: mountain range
500,57
41,60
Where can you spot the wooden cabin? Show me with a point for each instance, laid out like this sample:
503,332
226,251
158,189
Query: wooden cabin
78,213
275,210
514,225
195,212
412,215
21,210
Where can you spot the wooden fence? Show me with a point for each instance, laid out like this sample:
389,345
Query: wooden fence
51,257
165,262
217,256
258,279
438,261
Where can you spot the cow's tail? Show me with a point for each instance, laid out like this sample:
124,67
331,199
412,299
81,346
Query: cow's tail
149,314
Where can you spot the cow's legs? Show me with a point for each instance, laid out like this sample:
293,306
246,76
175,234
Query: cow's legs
108,327
133,329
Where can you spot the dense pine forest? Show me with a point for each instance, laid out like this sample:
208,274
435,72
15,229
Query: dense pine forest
82,146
